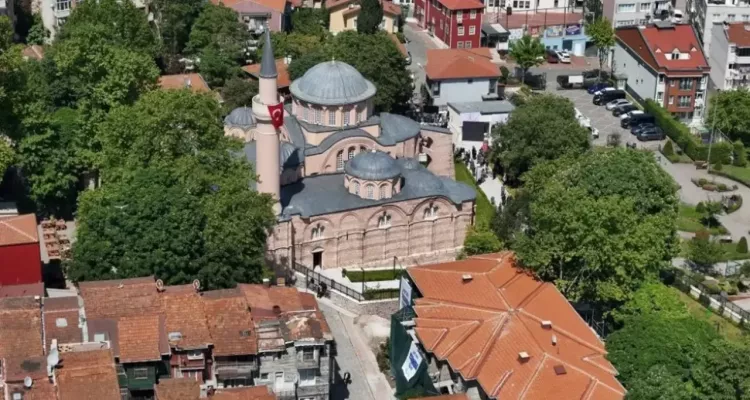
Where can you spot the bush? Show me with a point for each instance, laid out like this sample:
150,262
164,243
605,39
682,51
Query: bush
712,287
718,166
742,246
668,149
732,203
722,187
740,156
480,241
384,357
700,207
401,37
702,181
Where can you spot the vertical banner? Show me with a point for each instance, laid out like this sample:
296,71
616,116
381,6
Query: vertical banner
412,362
405,294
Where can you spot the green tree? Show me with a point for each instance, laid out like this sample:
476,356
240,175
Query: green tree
479,241
709,210
507,223
301,64
173,22
600,225
722,372
742,245
527,52
652,298
729,112
217,67
310,21
703,251
219,40
603,36
668,149
6,157
659,384
238,93
370,16
740,155
37,34
293,44
544,128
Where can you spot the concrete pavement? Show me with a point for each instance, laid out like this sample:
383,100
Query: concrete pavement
418,42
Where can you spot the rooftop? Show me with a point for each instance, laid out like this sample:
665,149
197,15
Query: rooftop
237,5
282,80
229,323
87,375
20,229
332,83
739,34
120,298
194,82
178,389
140,338
373,165
184,314
516,336
462,4
20,328
388,6
23,290
245,393
61,320
460,64
655,45
483,107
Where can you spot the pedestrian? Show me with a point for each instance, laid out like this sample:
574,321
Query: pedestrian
473,152
347,378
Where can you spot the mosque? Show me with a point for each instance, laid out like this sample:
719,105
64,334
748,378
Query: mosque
352,189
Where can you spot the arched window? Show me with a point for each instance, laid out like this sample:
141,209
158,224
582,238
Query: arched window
318,116
384,221
332,117
340,160
362,149
351,152
431,212
346,116
382,192
358,118
356,188
317,232
305,114
370,194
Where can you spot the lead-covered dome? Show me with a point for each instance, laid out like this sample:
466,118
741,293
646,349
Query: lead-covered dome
332,83
372,166
240,117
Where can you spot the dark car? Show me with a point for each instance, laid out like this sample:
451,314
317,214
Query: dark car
651,133
635,118
636,130
597,87
617,111
552,56
607,96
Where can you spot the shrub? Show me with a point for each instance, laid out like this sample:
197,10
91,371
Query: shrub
722,187
668,149
480,241
718,166
702,181
742,245
712,287
700,207
740,156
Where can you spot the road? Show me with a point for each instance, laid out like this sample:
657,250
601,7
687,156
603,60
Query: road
417,45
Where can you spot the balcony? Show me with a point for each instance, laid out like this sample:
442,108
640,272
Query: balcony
305,361
319,387
235,369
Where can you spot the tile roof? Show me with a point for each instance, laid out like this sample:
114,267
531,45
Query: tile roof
300,325
20,328
460,64
178,389
16,369
739,34
276,5
87,375
20,229
140,338
245,393
120,298
461,4
282,80
653,44
61,320
388,6
41,389
194,81
262,300
23,290
34,51
459,396
482,325
229,323
184,313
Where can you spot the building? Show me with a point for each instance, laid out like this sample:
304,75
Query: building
458,23
729,57
460,76
343,15
704,13
283,80
665,63
637,12
490,330
193,81
260,15
471,123
55,12
353,188
7,9
20,254
557,28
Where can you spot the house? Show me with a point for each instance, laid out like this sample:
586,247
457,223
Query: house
192,81
471,123
20,254
88,375
343,15
260,15
664,62
282,67
729,56
703,14
460,75
557,29
458,23
485,328
33,52
187,333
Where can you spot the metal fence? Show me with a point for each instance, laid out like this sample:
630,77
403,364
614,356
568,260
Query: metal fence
684,282
314,279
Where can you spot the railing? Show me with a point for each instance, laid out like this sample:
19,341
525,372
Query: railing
720,304
314,280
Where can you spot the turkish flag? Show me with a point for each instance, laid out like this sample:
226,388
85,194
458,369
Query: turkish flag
277,115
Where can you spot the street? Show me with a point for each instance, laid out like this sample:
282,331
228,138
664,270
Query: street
417,45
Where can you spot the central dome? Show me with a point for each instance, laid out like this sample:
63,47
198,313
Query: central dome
374,166
332,83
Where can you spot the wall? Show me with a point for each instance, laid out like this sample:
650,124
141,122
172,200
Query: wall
468,22
381,308
675,91
461,91
287,364
20,264
641,79
718,56
440,152
336,21
706,20
456,120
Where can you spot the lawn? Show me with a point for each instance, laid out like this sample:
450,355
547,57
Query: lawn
740,174
725,327
730,251
485,209
690,220
374,275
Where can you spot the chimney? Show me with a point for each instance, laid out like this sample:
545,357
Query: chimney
546,324
524,356
466,278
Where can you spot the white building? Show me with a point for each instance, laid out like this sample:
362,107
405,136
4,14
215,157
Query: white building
470,123
730,56
637,12
704,13
460,75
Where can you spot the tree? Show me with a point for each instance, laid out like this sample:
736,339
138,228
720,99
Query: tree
601,225
509,222
659,384
293,44
238,93
37,34
729,113
721,372
301,64
174,20
652,298
740,155
527,52
6,157
217,67
310,21
668,149
709,211
545,128
481,241
703,251
370,16
603,36
742,245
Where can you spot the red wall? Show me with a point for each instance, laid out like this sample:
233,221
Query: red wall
475,39
20,264
428,10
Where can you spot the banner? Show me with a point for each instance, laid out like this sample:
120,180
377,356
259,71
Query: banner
553,31
277,115
412,362
571,30
405,294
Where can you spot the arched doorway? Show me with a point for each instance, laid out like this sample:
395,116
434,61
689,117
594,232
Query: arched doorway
317,257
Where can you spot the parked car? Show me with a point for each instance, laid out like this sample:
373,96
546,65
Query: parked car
606,89
606,96
651,133
616,103
569,81
594,132
552,56
617,111
597,86
635,118
563,56
636,130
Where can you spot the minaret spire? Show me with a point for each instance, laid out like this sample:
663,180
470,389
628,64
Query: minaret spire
267,62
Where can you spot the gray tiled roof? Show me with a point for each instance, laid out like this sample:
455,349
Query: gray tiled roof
373,165
332,83
268,62
483,107
289,155
326,194
241,117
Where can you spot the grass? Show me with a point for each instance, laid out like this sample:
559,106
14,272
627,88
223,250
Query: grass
690,220
730,251
740,174
374,276
724,326
485,209
379,294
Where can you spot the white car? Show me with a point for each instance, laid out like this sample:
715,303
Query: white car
564,56
594,133
616,103
677,16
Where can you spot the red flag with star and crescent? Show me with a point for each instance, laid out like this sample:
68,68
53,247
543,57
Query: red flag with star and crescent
277,115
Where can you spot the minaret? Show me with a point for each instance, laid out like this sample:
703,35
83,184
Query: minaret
267,137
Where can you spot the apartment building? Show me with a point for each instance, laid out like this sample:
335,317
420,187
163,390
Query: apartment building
730,55
665,63
703,14
458,23
637,12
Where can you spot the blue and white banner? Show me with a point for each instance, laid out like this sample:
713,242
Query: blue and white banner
405,293
412,362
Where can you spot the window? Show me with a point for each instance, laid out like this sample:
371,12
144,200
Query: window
384,221
686,83
468,44
645,7
370,194
745,18
460,31
382,192
493,86
264,376
350,153
306,377
684,101
308,354
195,355
436,85
672,82
675,55
626,22
356,188
731,17
332,117
100,337
472,30
431,212
318,115
626,8
364,114
671,100
703,81
317,232
473,14
661,79
362,149
660,97
357,116
340,160
305,115
140,373
716,18
732,49
460,45
63,5
460,15
61,322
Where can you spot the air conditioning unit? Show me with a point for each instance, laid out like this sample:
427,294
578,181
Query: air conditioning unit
197,355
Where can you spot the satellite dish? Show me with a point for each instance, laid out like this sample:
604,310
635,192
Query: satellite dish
27,382
159,285
197,285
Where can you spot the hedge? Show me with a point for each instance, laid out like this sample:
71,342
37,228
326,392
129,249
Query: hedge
355,275
680,134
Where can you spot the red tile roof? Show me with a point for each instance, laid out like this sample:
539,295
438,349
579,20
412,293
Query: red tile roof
482,325
460,64
139,338
61,320
23,290
388,6
229,323
246,393
195,82
282,80
653,44
739,34
20,328
184,313
178,389
87,375
461,4
20,229
460,396
120,298
41,389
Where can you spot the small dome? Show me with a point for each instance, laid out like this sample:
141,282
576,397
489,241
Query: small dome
289,155
410,164
398,127
332,83
374,165
240,117
424,182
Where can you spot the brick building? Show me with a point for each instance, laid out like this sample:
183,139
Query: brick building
458,23
20,256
